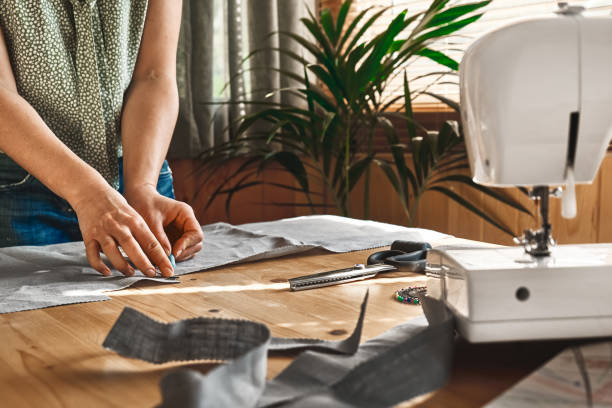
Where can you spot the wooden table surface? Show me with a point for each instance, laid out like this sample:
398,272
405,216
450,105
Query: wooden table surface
53,357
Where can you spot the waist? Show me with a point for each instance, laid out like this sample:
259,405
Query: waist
14,178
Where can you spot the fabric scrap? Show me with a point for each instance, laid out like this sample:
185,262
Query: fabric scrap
406,361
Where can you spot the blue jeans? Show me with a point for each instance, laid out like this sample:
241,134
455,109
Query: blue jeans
31,214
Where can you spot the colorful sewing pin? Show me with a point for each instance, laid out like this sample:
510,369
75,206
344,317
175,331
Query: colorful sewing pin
410,294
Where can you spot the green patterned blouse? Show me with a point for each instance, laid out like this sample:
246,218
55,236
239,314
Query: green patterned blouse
73,60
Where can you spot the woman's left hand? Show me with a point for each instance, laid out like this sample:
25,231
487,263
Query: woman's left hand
172,222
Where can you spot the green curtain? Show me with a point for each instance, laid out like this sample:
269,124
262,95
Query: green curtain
215,37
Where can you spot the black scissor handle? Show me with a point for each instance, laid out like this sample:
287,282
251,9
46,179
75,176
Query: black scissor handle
410,246
382,256
407,256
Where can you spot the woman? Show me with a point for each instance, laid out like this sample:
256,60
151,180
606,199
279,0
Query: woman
88,103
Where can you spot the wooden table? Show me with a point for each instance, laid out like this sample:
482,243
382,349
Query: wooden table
53,357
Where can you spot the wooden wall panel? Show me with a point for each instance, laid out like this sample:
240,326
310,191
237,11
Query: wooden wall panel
384,204
583,228
510,218
435,210
249,205
605,201
462,222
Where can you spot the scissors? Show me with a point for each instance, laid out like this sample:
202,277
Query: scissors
404,256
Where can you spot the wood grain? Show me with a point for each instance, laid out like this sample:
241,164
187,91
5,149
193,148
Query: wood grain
435,211
604,203
53,357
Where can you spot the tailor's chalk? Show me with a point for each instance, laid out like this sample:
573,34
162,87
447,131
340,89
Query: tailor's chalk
172,261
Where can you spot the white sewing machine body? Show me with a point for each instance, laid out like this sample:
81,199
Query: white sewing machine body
536,100
519,87
504,294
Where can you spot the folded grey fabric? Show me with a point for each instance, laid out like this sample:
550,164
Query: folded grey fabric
340,234
35,277
404,362
138,336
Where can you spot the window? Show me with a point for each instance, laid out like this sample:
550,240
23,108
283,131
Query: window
221,48
496,14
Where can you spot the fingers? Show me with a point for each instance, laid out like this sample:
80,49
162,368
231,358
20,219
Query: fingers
187,240
92,249
190,241
110,223
135,253
153,249
190,252
109,246
158,230
188,244
137,241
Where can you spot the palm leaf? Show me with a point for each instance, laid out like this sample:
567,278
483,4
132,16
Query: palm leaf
447,164
405,175
346,35
408,107
292,188
454,13
471,207
447,29
328,136
440,58
357,169
315,29
359,35
463,179
240,185
320,97
292,163
386,167
454,105
222,189
382,44
327,22
292,204
331,83
342,13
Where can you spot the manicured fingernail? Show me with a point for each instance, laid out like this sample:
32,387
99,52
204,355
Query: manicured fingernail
150,272
131,271
172,260
167,272
179,252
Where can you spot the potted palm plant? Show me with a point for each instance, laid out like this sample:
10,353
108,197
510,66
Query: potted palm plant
329,135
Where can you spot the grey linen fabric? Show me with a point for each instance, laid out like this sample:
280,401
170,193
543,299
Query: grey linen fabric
404,362
35,277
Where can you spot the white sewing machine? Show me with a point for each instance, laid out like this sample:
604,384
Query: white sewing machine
536,101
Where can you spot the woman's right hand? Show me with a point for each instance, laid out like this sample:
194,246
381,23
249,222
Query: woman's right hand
107,222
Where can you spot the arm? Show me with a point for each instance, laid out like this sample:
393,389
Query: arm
105,218
38,152
151,102
149,116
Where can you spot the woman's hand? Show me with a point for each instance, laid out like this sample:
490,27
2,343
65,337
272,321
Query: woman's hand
169,220
108,222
